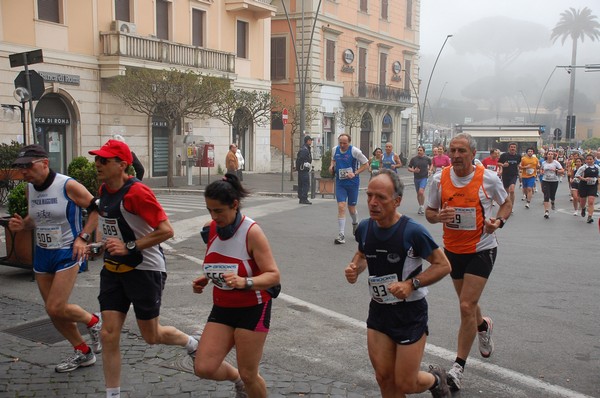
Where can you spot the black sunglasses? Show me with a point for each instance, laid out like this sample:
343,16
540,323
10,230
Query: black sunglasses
104,161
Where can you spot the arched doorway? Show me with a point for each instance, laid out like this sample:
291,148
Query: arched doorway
242,136
386,129
54,130
366,134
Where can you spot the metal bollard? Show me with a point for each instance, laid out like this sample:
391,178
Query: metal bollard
313,182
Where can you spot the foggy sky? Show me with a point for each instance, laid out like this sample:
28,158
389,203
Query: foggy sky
442,17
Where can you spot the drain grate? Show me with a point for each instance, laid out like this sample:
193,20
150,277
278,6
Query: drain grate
42,331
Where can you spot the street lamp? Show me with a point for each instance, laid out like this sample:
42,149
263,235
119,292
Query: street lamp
22,110
427,89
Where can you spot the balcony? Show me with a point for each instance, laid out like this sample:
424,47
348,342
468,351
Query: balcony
120,50
376,94
261,8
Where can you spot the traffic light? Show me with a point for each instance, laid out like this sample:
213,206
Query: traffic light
571,121
557,134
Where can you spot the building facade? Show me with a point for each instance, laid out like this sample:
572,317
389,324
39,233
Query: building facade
85,44
358,62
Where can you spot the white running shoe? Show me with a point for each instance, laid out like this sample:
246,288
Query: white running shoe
76,360
486,344
454,377
340,240
94,333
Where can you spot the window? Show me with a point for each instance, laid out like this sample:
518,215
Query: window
409,12
407,81
363,5
278,58
162,19
49,10
122,10
382,69
198,18
242,39
330,60
384,9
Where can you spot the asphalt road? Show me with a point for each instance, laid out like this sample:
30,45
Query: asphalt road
542,296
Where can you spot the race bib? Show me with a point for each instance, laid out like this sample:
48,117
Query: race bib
110,228
378,287
343,173
48,236
465,219
215,273
592,181
529,171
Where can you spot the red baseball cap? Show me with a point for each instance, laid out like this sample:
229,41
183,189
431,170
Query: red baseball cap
114,149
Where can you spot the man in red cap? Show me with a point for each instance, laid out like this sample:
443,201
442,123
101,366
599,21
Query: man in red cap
55,202
132,225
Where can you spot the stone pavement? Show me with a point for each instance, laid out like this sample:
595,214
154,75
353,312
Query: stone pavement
27,368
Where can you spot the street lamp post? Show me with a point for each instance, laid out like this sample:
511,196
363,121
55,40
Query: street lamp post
427,90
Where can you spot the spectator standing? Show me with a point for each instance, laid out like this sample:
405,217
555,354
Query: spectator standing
303,166
241,163
55,202
132,225
419,165
231,160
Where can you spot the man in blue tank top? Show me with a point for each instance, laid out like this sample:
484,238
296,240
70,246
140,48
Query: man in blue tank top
344,166
55,202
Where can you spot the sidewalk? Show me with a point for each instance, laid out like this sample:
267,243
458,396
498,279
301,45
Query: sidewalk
263,184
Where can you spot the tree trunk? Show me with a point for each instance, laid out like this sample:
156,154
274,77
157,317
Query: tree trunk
171,155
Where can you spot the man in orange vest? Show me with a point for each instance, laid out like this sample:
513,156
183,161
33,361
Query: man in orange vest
461,198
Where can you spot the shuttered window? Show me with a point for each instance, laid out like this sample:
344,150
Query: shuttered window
330,60
122,10
198,18
384,10
278,58
49,10
242,39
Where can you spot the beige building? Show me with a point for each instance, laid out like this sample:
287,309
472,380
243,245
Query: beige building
85,43
362,61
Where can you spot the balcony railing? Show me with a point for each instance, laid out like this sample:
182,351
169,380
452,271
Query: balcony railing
151,49
376,92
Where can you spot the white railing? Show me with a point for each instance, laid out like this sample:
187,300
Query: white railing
152,49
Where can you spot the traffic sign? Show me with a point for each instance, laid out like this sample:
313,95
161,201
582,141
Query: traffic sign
284,116
36,80
27,58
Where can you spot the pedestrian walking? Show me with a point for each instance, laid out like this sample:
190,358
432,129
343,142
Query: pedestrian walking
420,165
55,204
392,247
132,224
303,166
347,163
241,163
240,264
461,198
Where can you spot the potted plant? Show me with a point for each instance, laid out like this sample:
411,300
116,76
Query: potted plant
9,176
326,181
19,245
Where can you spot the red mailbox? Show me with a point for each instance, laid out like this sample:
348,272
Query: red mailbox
207,158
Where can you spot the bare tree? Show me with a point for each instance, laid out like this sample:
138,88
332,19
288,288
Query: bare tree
241,109
171,95
351,116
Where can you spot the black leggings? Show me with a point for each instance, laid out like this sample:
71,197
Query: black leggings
549,189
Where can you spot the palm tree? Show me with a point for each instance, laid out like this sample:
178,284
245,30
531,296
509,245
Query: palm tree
576,24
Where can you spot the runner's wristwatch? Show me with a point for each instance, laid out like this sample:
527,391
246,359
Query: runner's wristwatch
249,284
416,284
502,222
